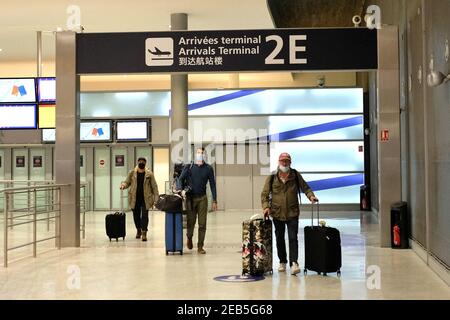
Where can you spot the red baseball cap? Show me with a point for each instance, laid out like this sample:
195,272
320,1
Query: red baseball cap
284,156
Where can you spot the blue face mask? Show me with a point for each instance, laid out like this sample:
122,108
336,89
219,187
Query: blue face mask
284,169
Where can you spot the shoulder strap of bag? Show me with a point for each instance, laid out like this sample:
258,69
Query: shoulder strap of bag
272,177
297,182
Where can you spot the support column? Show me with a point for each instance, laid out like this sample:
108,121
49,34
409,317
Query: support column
67,147
388,95
179,108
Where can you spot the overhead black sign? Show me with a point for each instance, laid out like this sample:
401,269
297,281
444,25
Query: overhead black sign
226,51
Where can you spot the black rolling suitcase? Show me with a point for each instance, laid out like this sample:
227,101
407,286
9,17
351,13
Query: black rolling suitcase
116,223
322,248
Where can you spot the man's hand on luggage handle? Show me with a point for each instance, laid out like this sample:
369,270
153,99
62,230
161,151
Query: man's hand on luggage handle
214,206
122,186
266,213
313,199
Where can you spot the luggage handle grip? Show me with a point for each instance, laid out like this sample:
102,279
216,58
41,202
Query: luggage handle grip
258,216
312,214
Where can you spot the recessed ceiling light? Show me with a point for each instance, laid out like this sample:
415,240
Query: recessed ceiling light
1,49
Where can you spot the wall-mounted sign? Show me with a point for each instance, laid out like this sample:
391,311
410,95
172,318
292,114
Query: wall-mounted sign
20,161
37,161
102,163
228,50
384,135
120,160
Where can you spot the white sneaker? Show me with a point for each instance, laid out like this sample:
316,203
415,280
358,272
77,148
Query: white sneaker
282,267
295,268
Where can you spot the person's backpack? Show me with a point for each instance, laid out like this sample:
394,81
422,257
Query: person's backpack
186,183
177,169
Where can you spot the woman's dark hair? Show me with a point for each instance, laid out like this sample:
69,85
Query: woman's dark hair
142,159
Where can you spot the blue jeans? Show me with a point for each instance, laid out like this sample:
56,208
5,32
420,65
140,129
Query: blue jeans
292,227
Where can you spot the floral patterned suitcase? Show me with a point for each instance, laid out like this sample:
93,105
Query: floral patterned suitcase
256,247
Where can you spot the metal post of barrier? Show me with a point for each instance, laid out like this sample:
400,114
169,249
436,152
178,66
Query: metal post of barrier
84,212
49,209
34,223
5,235
58,219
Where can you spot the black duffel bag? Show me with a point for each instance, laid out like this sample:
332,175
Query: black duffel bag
170,203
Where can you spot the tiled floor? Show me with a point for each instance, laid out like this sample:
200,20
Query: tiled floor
132,269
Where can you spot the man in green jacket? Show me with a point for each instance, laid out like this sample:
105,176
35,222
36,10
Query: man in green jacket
284,208
142,195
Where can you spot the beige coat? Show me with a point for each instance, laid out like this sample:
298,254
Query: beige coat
284,196
150,188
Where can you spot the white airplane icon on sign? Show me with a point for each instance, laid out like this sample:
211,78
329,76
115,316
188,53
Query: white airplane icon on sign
159,52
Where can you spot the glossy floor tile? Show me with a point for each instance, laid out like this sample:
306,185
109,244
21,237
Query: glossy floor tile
133,269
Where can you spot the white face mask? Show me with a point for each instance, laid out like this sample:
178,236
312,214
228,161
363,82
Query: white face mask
284,169
199,157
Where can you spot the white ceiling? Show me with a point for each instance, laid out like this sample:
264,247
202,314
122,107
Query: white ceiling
19,20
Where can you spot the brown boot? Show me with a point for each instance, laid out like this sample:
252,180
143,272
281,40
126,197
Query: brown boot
138,234
201,250
144,235
189,243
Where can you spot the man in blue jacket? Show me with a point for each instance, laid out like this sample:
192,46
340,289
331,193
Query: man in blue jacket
196,176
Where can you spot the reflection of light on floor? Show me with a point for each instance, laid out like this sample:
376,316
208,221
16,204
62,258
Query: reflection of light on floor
142,270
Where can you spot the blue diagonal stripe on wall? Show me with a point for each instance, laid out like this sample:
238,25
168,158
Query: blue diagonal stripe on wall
334,183
225,97
320,128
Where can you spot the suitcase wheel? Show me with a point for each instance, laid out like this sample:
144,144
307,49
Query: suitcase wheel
109,239
117,239
305,272
167,253
123,238
339,273
324,274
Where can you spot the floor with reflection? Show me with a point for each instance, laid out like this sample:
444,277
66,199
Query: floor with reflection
133,269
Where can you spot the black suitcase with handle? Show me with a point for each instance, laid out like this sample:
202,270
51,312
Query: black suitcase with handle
322,248
115,223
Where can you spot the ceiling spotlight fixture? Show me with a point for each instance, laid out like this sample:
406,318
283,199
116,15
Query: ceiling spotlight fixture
436,78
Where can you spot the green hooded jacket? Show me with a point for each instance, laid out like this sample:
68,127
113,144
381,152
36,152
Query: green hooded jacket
285,203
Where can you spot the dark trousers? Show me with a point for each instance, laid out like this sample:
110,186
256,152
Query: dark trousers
292,227
140,215
199,207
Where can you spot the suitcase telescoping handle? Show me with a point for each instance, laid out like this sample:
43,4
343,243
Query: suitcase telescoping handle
121,200
312,214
